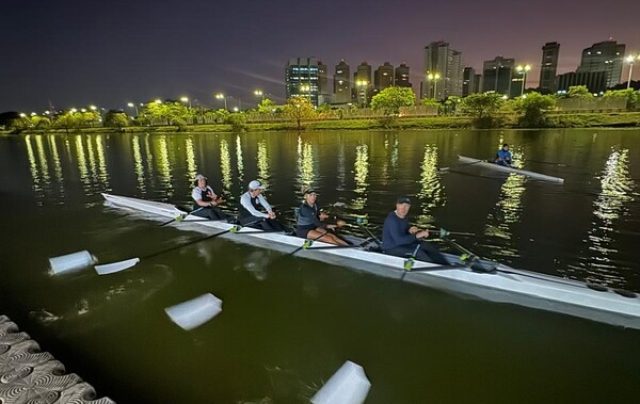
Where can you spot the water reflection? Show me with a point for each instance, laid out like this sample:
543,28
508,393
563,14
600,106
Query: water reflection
57,164
361,171
33,167
306,174
103,175
617,191
240,161
508,211
163,164
263,163
192,166
225,166
431,193
138,165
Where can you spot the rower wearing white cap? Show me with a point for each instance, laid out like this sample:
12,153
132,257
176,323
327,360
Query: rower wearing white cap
250,204
206,201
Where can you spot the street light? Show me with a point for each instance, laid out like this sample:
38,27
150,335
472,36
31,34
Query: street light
134,106
221,96
186,100
363,84
158,101
630,59
523,70
93,107
257,93
434,77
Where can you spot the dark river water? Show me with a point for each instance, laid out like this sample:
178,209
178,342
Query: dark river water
288,323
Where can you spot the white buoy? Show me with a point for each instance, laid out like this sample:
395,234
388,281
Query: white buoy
349,385
71,262
195,312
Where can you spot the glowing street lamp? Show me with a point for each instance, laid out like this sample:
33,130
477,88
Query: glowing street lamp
158,101
221,96
186,100
23,115
523,70
630,59
134,106
93,107
73,110
258,93
434,77
236,109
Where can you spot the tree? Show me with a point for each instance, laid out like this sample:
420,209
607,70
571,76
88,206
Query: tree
237,120
392,98
266,106
579,92
483,108
40,122
299,109
632,96
534,106
116,119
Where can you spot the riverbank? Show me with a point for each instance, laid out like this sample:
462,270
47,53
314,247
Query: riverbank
28,375
573,120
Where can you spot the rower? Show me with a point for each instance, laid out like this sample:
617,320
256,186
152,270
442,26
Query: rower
250,214
206,201
401,239
310,222
503,156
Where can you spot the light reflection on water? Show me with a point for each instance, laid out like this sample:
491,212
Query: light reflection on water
611,205
260,330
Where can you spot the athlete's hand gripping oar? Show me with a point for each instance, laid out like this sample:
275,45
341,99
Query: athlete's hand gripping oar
306,244
113,267
181,217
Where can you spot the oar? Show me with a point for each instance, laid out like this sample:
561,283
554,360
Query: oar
306,244
445,169
118,266
180,218
445,233
548,162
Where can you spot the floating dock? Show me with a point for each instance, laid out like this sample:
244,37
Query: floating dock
28,375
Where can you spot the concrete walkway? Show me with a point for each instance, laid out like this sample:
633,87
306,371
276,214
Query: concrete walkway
28,375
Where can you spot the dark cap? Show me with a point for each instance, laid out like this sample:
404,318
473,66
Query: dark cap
310,191
404,199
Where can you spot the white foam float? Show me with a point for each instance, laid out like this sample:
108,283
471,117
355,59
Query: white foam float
71,262
114,267
349,385
195,312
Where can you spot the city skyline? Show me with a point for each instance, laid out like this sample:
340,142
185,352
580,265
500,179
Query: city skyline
73,54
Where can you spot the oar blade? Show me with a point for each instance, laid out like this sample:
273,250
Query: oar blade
107,269
71,262
195,312
349,385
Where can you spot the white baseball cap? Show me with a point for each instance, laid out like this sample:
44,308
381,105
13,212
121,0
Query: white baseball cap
255,184
200,177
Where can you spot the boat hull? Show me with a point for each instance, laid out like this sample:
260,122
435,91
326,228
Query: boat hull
506,285
482,163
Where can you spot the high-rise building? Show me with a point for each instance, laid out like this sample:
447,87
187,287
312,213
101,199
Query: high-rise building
596,82
362,83
606,57
324,92
383,77
469,81
497,75
477,83
342,83
549,67
301,78
443,71
402,76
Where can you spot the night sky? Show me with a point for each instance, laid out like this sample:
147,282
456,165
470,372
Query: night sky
75,53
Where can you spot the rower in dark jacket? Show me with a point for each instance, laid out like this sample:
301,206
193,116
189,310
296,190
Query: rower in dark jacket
401,239
205,201
310,222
